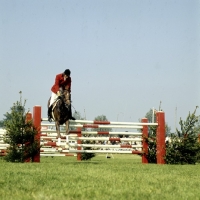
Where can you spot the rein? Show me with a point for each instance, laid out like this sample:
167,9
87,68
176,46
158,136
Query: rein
70,102
67,102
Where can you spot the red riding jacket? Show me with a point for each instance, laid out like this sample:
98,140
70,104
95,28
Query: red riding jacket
61,83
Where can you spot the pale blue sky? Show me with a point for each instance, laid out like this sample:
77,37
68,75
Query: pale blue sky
125,55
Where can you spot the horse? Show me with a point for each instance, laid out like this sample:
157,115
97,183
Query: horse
61,112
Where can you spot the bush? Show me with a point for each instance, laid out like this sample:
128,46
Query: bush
20,135
152,145
183,146
87,156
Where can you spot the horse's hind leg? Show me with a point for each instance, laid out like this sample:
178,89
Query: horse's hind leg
67,131
58,132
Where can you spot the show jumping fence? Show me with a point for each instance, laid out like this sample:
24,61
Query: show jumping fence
134,142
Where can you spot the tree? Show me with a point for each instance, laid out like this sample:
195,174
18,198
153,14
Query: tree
197,127
149,115
77,115
184,147
1,123
152,145
152,118
167,130
20,134
101,118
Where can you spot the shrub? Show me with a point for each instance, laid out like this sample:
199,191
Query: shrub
87,156
152,145
183,146
20,134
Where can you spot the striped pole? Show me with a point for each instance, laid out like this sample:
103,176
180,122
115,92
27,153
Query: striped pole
105,126
37,124
107,146
79,142
160,137
28,118
145,144
111,123
105,139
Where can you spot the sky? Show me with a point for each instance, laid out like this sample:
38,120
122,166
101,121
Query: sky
125,56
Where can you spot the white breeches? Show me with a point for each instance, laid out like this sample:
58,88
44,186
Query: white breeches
53,98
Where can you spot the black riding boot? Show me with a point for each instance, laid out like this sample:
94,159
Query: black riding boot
49,113
70,108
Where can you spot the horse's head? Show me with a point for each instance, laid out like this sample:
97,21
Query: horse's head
66,97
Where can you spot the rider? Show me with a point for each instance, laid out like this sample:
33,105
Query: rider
62,81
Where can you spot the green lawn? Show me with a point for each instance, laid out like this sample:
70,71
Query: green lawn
123,177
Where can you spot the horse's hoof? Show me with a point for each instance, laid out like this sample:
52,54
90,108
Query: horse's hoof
72,118
59,149
49,119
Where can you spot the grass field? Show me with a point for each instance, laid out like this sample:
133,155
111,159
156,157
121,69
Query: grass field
123,177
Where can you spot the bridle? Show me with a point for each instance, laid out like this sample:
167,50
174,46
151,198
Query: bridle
65,96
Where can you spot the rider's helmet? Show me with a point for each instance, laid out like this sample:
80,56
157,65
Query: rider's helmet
67,72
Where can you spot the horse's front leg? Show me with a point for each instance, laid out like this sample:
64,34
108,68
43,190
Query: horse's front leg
67,131
58,132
